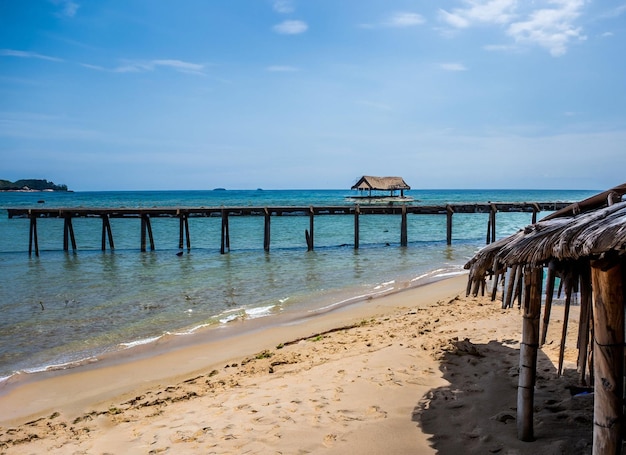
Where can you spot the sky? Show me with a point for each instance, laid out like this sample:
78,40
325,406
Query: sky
308,94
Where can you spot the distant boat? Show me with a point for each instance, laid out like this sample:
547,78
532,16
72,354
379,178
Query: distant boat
219,189
380,190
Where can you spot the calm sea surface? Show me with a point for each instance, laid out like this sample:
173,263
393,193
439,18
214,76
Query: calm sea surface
61,309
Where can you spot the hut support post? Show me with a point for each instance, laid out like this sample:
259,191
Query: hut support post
357,212
68,233
528,353
449,213
608,356
33,236
570,282
403,228
266,235
550,279
585,317
106,232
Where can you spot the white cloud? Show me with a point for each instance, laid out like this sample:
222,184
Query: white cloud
291,27
551,28
283,6
281,69
27,54
453,67
546,23
405,20
68,7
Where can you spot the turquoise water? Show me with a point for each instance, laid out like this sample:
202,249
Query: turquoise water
61,308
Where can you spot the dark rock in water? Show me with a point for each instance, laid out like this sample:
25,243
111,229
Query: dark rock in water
41,201
180,253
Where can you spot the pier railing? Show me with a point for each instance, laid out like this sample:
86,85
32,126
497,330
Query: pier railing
184,213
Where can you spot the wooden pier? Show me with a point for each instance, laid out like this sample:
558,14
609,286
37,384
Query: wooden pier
145,215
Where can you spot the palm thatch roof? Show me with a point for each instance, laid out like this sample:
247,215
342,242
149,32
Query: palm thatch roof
588,229
368,182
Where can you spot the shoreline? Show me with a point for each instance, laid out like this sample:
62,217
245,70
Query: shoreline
273,328
421,371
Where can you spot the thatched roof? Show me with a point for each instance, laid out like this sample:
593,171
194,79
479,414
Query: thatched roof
561,236
368,182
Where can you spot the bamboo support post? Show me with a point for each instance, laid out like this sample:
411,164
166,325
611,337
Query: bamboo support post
183,231
507,302
519,287
449,213
608,356
569,288
584,319
357,212
550,279
494,289
528,354
403,228
266,235
33,240
68,233
106,232
536,210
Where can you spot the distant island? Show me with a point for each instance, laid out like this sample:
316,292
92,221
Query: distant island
31,185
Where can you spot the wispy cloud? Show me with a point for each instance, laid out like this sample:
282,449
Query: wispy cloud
546,23
292,27
282,69
151,65
283,6
453,67
405,20
397,20
27,54
68,7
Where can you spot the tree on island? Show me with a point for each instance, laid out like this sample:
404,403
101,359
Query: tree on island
31,184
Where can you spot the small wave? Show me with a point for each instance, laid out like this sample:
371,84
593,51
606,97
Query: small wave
260,311
141,342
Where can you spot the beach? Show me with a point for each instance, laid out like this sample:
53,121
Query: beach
425,370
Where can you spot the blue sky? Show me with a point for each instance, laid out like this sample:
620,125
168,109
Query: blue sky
198,94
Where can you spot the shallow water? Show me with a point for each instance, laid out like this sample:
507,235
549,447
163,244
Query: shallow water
64,307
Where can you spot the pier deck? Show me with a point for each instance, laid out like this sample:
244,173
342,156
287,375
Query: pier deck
184,213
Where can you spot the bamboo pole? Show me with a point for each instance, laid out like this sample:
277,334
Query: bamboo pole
570,281
225,236
106,232
528,353
550,279
149,228
68,233
584,319
608,356
508,300
492,214
143,233
310,237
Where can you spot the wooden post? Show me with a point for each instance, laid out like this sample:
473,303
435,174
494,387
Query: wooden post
357,212
488,239
449,213
33,236
183,231
225,243
507,302
311,233
528,353
536,210
608,355
403,228
106,231
550,279
187,233
68,232
146,227
266,235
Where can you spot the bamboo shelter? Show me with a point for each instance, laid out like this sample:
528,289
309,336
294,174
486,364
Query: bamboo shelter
584,245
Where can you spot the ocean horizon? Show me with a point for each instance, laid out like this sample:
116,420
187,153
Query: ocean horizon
63,309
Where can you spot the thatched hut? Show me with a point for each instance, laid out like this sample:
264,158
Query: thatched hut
370,183
585,246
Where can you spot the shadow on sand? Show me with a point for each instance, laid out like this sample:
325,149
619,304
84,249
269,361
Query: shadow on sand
476,413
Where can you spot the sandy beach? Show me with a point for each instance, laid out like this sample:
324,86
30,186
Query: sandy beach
422,371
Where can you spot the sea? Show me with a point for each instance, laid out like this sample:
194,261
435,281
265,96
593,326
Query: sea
60,310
